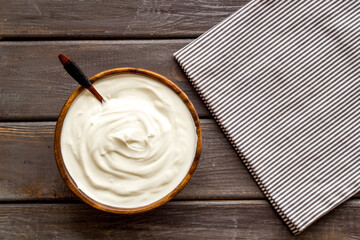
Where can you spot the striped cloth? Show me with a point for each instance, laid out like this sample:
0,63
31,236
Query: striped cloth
281,78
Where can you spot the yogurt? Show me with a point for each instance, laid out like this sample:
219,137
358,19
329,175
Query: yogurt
132,150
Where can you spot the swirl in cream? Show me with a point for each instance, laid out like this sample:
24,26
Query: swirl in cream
132,150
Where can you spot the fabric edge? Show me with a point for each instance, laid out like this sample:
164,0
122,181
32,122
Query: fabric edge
285,219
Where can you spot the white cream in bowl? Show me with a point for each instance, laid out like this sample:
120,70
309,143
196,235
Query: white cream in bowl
132,150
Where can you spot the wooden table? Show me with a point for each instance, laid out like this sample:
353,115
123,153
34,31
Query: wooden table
220,202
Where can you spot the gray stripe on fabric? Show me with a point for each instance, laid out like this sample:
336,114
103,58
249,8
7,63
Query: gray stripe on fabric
282,79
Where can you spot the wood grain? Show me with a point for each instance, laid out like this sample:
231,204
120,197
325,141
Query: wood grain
34,85
28,170
176,220
64,171
77,19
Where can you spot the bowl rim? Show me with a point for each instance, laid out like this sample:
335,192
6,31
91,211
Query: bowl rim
72,184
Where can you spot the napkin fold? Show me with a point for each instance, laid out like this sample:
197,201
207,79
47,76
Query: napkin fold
281,78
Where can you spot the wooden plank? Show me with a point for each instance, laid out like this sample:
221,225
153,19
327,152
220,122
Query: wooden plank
34,85
79,19
28,170
176,220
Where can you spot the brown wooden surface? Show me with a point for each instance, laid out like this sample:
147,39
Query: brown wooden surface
77,19
31,173
28,170
221,201
221,220
34,85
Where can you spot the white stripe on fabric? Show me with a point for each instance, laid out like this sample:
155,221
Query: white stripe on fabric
282,79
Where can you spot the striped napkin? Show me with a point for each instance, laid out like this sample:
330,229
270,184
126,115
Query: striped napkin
281,78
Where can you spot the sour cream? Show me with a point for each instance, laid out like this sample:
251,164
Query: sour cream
132,150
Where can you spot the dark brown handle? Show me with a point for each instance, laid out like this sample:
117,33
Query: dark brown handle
77,74
74,71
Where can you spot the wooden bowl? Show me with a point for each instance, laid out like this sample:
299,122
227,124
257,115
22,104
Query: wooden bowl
71,183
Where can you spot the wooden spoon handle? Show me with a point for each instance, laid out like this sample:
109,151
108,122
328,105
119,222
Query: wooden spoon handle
77,74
